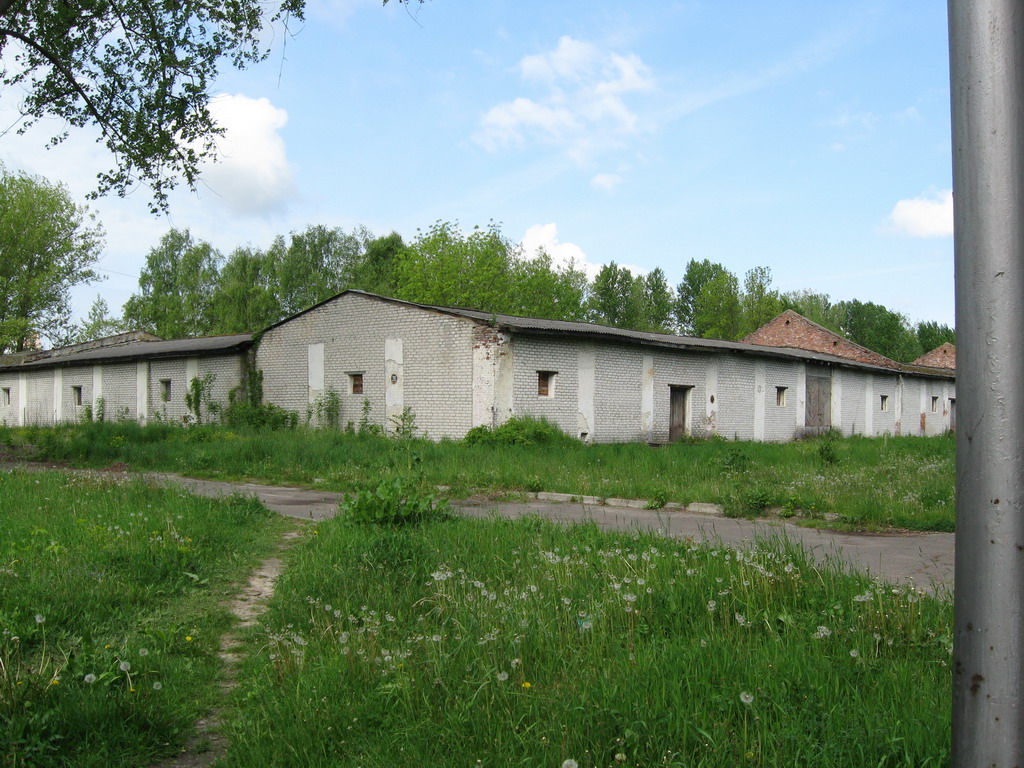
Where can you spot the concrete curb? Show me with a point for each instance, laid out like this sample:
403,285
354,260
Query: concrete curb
696,507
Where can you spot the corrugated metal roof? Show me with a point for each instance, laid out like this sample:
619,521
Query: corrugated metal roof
540,326
204,345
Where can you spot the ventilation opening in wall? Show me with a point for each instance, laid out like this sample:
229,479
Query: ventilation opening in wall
935,405
780,395
165,390
883,403
76,396
546,383
355,383
5,396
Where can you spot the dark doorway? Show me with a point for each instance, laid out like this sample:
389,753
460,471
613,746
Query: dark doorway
679,402
819,398
952,414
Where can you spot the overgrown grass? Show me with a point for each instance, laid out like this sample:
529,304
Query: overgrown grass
110,614
856,482
496,643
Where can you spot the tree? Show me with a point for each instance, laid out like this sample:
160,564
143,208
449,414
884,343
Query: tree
697,275
176,288
615,298
140,71
318,263
760,302
98,323
657,303
48,244
817,307
879,329
244,300
716,310
931,334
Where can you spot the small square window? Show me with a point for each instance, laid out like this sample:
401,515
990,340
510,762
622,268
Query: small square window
883,403
76,395
780,395
355,381
165,390
6,395
545,383
935,405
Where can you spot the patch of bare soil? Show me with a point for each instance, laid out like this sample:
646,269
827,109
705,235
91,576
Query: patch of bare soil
209,744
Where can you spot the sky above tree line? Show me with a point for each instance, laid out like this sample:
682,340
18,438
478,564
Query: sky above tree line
812,138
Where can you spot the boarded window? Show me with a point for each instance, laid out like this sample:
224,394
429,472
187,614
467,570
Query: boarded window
883,403
76,395
165,390
780,395
6,395
546,383
935,405
355,381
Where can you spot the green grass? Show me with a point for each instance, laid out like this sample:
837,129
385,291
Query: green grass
856,482
110,614
497,643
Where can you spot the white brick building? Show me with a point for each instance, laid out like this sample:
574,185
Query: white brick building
454,369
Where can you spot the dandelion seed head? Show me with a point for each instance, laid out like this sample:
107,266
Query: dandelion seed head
143,652
90,678
746,697
570,763
157,685
502,677
125,666
40,618
854,653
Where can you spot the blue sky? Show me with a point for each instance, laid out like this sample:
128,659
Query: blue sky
808,137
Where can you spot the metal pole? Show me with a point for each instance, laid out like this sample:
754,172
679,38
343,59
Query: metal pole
987,78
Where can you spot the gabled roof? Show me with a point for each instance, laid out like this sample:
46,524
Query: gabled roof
943,356
793,330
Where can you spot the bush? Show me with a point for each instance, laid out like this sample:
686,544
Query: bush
263,416
393,502
519,430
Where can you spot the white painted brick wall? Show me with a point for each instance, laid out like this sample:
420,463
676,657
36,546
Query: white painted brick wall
437,366
780,421
680,369
533,354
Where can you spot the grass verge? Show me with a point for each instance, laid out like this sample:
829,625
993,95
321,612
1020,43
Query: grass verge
110,614
497,643
855,482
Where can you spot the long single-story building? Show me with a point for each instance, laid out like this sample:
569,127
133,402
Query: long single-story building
452,369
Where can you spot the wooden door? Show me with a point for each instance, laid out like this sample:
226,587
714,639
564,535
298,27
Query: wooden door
677,425
819,399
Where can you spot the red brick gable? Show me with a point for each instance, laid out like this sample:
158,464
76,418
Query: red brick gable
941,357
794,331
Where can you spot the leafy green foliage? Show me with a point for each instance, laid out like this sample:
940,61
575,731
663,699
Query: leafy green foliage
176,288
48,245
393,502
141,72
519,430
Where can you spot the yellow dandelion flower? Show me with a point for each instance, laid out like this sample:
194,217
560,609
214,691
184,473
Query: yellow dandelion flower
188,638
527,684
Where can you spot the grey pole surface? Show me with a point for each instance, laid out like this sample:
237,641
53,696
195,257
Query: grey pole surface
987,79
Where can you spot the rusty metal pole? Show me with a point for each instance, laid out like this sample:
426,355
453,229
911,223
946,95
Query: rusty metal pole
987,79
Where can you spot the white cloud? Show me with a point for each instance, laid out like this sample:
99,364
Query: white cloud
925,216
606,182
252,174
545,237
582,107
